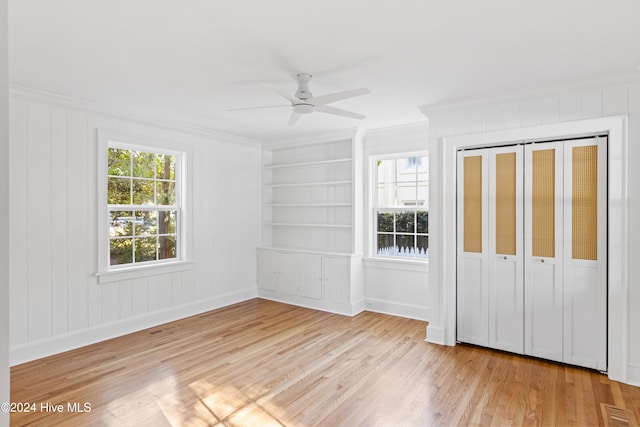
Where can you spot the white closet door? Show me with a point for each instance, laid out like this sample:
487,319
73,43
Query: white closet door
505,257
585,252
543,255
473,243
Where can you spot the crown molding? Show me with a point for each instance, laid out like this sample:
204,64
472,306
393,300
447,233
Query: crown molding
530,93
36,95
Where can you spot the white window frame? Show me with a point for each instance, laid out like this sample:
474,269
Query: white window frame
375,208
110,273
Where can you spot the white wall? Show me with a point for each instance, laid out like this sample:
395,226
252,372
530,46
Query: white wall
534,108
4,215
392,286
56,301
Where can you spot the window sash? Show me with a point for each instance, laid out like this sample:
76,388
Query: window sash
176,207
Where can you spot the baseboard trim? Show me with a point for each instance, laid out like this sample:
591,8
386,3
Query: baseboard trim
395,308
61,343
633,375
435,335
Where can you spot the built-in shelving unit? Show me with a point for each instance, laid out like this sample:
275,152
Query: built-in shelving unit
311,197
308,195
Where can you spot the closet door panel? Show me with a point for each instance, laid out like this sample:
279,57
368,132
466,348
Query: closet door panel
506,313
585,291
472,286
543,299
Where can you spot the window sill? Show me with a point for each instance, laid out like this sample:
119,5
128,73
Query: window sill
143,271
397,264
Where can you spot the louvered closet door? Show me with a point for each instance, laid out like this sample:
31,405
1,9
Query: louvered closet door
543,250
585,253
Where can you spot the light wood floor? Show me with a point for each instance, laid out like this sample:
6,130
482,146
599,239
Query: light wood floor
261,363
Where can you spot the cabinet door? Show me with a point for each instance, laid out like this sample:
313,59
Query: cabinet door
267,270
312,283
290,273
335,273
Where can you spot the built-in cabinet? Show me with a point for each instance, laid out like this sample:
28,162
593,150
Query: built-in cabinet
311,215
532,258
327,282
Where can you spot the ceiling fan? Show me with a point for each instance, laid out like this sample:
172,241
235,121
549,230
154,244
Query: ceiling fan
303,101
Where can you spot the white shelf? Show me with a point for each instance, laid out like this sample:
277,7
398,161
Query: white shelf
291,224
307,205
306,164
309,184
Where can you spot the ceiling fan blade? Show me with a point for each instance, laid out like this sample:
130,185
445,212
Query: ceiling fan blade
337,96
283,94
338,112
259,108
294,118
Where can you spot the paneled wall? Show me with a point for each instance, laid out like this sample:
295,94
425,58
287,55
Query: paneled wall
545,106
56,301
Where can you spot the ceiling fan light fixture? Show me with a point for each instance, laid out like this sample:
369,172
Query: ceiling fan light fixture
303,108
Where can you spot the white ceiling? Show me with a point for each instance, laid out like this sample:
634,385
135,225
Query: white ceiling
189,61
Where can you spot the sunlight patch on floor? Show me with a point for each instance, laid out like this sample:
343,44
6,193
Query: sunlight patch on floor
205,404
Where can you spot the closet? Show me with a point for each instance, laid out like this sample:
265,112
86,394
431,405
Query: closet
531,249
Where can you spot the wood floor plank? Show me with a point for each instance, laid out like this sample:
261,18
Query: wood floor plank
266,363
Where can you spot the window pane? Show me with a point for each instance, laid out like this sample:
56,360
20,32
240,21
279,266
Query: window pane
146,223
405,245
423,221
404,173
143,164
143,192
145,249
119,162
167,222
166,191
385,221
422,247
119,191
121,224
385,245
165,167
120,251
386,194
405,222
167,247
386,171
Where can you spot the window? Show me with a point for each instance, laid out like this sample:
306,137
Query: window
143,203
400,208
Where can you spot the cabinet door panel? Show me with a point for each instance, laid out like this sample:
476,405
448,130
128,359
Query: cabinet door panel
267,272
336,275
290,273
312,283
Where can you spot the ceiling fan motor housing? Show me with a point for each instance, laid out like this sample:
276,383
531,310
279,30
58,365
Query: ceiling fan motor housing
303,91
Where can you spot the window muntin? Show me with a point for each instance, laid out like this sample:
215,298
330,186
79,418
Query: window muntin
401,217
143,203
